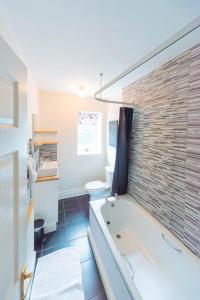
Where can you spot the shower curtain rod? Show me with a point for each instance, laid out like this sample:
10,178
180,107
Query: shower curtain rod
172,40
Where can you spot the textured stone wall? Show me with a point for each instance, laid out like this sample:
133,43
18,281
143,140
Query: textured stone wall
48,152
164,169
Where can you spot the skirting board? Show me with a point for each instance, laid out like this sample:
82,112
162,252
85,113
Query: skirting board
72,193
104,277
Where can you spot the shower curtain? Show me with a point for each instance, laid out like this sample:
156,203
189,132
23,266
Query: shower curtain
120,176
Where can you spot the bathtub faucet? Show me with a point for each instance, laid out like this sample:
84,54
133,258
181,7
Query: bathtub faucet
116,196
110,201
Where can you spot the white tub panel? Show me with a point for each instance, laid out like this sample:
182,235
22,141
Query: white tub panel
119,290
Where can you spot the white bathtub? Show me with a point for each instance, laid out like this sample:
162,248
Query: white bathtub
147,262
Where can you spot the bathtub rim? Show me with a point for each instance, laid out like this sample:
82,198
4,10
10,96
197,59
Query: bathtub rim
102,271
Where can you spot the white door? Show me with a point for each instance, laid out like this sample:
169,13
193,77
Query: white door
13,139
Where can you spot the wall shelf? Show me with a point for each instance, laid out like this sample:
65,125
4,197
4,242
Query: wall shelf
47,178
46,131
45,143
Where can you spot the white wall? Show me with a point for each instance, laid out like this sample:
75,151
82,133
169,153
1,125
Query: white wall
58,111
33,101
8,35
112,114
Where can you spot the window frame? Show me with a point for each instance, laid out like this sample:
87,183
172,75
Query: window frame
101,132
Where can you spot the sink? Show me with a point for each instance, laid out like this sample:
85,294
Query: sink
48,168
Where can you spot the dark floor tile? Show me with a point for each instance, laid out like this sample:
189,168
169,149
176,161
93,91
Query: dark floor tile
61,218
60,205
84,248
71,203
55,238
100,297
76,230
74,234
53,249
84,200
92,283
75,215
86,211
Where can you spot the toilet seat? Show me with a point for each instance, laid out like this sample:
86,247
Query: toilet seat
95,185
98,189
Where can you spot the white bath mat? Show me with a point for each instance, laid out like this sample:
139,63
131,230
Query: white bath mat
58,276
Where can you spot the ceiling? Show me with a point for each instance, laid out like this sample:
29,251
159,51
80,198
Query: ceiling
66,44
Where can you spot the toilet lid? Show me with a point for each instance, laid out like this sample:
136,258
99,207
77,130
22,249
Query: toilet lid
95,185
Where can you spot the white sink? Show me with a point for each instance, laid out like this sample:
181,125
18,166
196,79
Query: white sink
48,168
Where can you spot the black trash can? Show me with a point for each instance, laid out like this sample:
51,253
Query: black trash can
38,231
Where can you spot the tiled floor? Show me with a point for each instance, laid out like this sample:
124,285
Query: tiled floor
72,231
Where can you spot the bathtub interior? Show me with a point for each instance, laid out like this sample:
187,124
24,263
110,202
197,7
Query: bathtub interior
159,269
134,255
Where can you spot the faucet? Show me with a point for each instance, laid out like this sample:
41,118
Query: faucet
111,201
116,196
108,200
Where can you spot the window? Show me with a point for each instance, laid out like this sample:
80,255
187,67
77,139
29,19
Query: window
89,133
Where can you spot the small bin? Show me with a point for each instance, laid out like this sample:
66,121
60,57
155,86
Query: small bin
38,230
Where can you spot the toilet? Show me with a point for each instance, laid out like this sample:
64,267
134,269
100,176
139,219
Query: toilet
98,189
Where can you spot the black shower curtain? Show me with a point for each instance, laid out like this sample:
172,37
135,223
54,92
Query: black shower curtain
120,177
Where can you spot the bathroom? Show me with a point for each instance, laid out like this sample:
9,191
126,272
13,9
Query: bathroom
99,150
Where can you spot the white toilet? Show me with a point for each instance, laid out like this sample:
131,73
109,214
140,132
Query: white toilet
99,189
